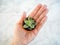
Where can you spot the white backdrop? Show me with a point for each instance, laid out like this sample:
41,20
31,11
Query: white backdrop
11,10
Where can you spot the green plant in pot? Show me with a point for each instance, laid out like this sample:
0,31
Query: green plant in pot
29,23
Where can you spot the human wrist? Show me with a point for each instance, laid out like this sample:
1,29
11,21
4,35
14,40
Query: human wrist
17,42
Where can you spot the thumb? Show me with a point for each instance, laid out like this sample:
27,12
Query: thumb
22,17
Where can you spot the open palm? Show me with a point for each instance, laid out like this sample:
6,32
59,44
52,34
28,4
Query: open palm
39,14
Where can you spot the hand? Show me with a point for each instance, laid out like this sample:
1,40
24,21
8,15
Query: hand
23,37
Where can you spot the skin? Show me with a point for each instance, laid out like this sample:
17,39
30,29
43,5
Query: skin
23,37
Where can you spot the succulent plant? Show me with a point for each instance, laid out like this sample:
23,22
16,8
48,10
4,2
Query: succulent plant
29,23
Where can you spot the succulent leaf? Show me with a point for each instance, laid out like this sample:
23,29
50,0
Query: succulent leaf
25,26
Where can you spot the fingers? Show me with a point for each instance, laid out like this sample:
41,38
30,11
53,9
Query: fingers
38,27
22,18
42,15
41,23
35,10
40,11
